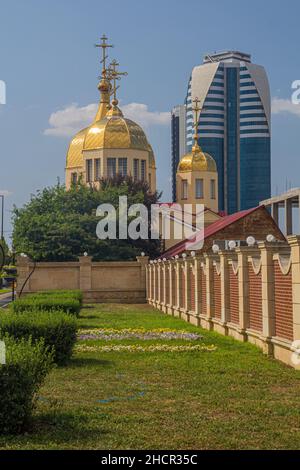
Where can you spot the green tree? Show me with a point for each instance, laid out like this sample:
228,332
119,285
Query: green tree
60,225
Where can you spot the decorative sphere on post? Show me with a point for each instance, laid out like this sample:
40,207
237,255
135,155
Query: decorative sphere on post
232,245
271,238
215,248
250,241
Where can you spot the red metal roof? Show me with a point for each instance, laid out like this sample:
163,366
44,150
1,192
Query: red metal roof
210,230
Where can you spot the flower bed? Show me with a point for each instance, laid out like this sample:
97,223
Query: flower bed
108,334
152,348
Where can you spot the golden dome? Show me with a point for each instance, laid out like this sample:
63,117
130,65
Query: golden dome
197,160
111,132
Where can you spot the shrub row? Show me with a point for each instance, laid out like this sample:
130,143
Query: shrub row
73,294
47,302
58,331
27,364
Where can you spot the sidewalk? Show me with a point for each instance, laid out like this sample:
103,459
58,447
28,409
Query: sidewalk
5,299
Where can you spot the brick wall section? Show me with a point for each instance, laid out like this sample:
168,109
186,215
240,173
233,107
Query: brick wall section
192,288
255,299
203,292
283,303
233,297
259,224
217,294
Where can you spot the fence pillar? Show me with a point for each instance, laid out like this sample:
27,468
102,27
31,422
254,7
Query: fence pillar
164,275
267,251
294,242
225,299
178,288
209,289
243,280
197,275
171,287
154,284
23,269
85,276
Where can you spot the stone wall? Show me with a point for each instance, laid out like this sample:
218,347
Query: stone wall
250,293
123,281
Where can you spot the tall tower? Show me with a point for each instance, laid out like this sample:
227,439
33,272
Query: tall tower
234,126
178,131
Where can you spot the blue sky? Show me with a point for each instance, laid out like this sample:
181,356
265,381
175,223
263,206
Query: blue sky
48,63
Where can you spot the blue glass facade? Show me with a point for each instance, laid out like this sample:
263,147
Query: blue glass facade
255,171
232,136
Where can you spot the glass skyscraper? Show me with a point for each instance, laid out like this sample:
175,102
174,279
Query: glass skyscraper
178,125
234,126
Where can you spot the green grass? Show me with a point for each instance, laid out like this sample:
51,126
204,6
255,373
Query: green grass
232,398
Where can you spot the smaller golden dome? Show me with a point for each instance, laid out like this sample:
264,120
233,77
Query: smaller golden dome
197,160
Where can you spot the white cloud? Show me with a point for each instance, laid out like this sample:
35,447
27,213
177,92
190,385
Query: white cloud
71,119
66,122
280,105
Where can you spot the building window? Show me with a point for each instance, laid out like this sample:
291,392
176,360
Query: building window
97,169
136,169
199,188
122,166
143,170
73,178
111,167
212,189
89,170
184,189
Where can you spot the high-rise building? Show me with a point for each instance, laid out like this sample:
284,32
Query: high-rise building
234,126
178,125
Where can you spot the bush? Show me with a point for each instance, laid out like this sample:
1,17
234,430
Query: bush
73,294
27,365
58,331
48,303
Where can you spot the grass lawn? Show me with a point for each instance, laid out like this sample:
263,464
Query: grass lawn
4,291
230,398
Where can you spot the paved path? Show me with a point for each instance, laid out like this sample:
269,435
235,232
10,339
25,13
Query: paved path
5,299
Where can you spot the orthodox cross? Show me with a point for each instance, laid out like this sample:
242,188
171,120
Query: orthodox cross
115,75
197,109
104,46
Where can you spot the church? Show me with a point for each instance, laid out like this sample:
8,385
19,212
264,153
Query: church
114,145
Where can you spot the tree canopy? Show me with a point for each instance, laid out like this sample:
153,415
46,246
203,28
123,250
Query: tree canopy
60,225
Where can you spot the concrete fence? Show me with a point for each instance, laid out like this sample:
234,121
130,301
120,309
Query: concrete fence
250,293
122,281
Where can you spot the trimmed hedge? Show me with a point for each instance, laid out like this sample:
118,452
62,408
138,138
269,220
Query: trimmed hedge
48,303
74,294
27,365
58,331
